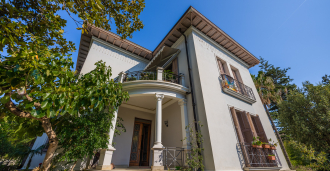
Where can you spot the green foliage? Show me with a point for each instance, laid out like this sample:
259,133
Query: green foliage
14,142
304,116
282,83
195,158
256,141
81,136
326,79
25,23
302,155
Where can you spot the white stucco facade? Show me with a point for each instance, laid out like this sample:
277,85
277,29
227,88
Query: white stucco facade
212,103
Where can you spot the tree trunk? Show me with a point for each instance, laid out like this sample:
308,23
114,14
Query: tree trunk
53,143
74,165
279,138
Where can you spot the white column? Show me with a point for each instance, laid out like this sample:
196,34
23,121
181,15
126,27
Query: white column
182,80
184,123
157,162
106,154
121,77
160,73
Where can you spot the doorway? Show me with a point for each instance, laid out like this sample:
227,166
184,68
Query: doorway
140,143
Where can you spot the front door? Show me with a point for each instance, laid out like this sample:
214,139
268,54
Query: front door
140,143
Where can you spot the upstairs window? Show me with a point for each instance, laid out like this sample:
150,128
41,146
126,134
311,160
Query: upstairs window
222,66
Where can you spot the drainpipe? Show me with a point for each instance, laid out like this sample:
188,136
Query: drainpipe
191,86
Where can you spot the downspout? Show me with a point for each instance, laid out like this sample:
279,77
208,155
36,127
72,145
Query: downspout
191,86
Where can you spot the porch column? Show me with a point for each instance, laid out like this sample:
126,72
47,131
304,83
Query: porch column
106,154
184,123
157,162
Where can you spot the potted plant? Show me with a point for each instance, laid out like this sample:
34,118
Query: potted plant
273,145
256,143
271,157
265,145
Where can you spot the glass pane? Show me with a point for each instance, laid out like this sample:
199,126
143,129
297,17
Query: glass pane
135,142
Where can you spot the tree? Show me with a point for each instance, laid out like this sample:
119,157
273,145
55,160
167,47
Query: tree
80,137
36,81
267,92
304,116
281,82
49,89
326,79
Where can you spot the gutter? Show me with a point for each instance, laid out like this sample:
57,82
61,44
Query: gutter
191,86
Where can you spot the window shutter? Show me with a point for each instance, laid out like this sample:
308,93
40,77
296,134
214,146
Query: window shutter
240,136
245,127
259,128
234,74
222,71
175,66
237,126
254,132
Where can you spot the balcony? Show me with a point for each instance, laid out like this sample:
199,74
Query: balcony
151,82
237,89
258,158
153,75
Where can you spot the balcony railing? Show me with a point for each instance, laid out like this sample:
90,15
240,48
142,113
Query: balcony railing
235,85
140,75
158,75
170,77
173,157
257,157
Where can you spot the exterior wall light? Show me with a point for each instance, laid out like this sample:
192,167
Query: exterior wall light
166,123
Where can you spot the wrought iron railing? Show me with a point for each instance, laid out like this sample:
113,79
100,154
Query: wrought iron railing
257,157
173,78
140,75
173,157
235,85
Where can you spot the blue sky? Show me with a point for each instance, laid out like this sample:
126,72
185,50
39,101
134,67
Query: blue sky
288,33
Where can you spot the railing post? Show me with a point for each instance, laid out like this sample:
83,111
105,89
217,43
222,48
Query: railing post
121,77
160,73
182,79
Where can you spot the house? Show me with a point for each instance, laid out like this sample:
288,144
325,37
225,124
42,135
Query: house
196,73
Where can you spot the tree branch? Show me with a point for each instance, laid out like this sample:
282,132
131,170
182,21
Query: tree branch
16,111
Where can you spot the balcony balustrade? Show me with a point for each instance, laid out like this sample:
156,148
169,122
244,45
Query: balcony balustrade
151,75
234,85
258,157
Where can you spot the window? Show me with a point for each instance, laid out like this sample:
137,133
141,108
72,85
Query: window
222,66
248,126
236,74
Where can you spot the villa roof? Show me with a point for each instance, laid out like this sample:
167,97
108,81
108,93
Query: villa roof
190,18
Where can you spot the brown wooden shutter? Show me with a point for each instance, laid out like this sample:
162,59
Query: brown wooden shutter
237,125
175,66
245,127
254,132
259,128
222,70
240,135
234,74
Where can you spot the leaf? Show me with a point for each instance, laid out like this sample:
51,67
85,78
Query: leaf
47,72
44,104
55,73
5,99
15,82
46,95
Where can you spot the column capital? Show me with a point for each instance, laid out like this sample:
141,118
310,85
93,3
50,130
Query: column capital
182,102
159,97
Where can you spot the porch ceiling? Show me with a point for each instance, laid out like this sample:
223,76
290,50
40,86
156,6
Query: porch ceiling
147,103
